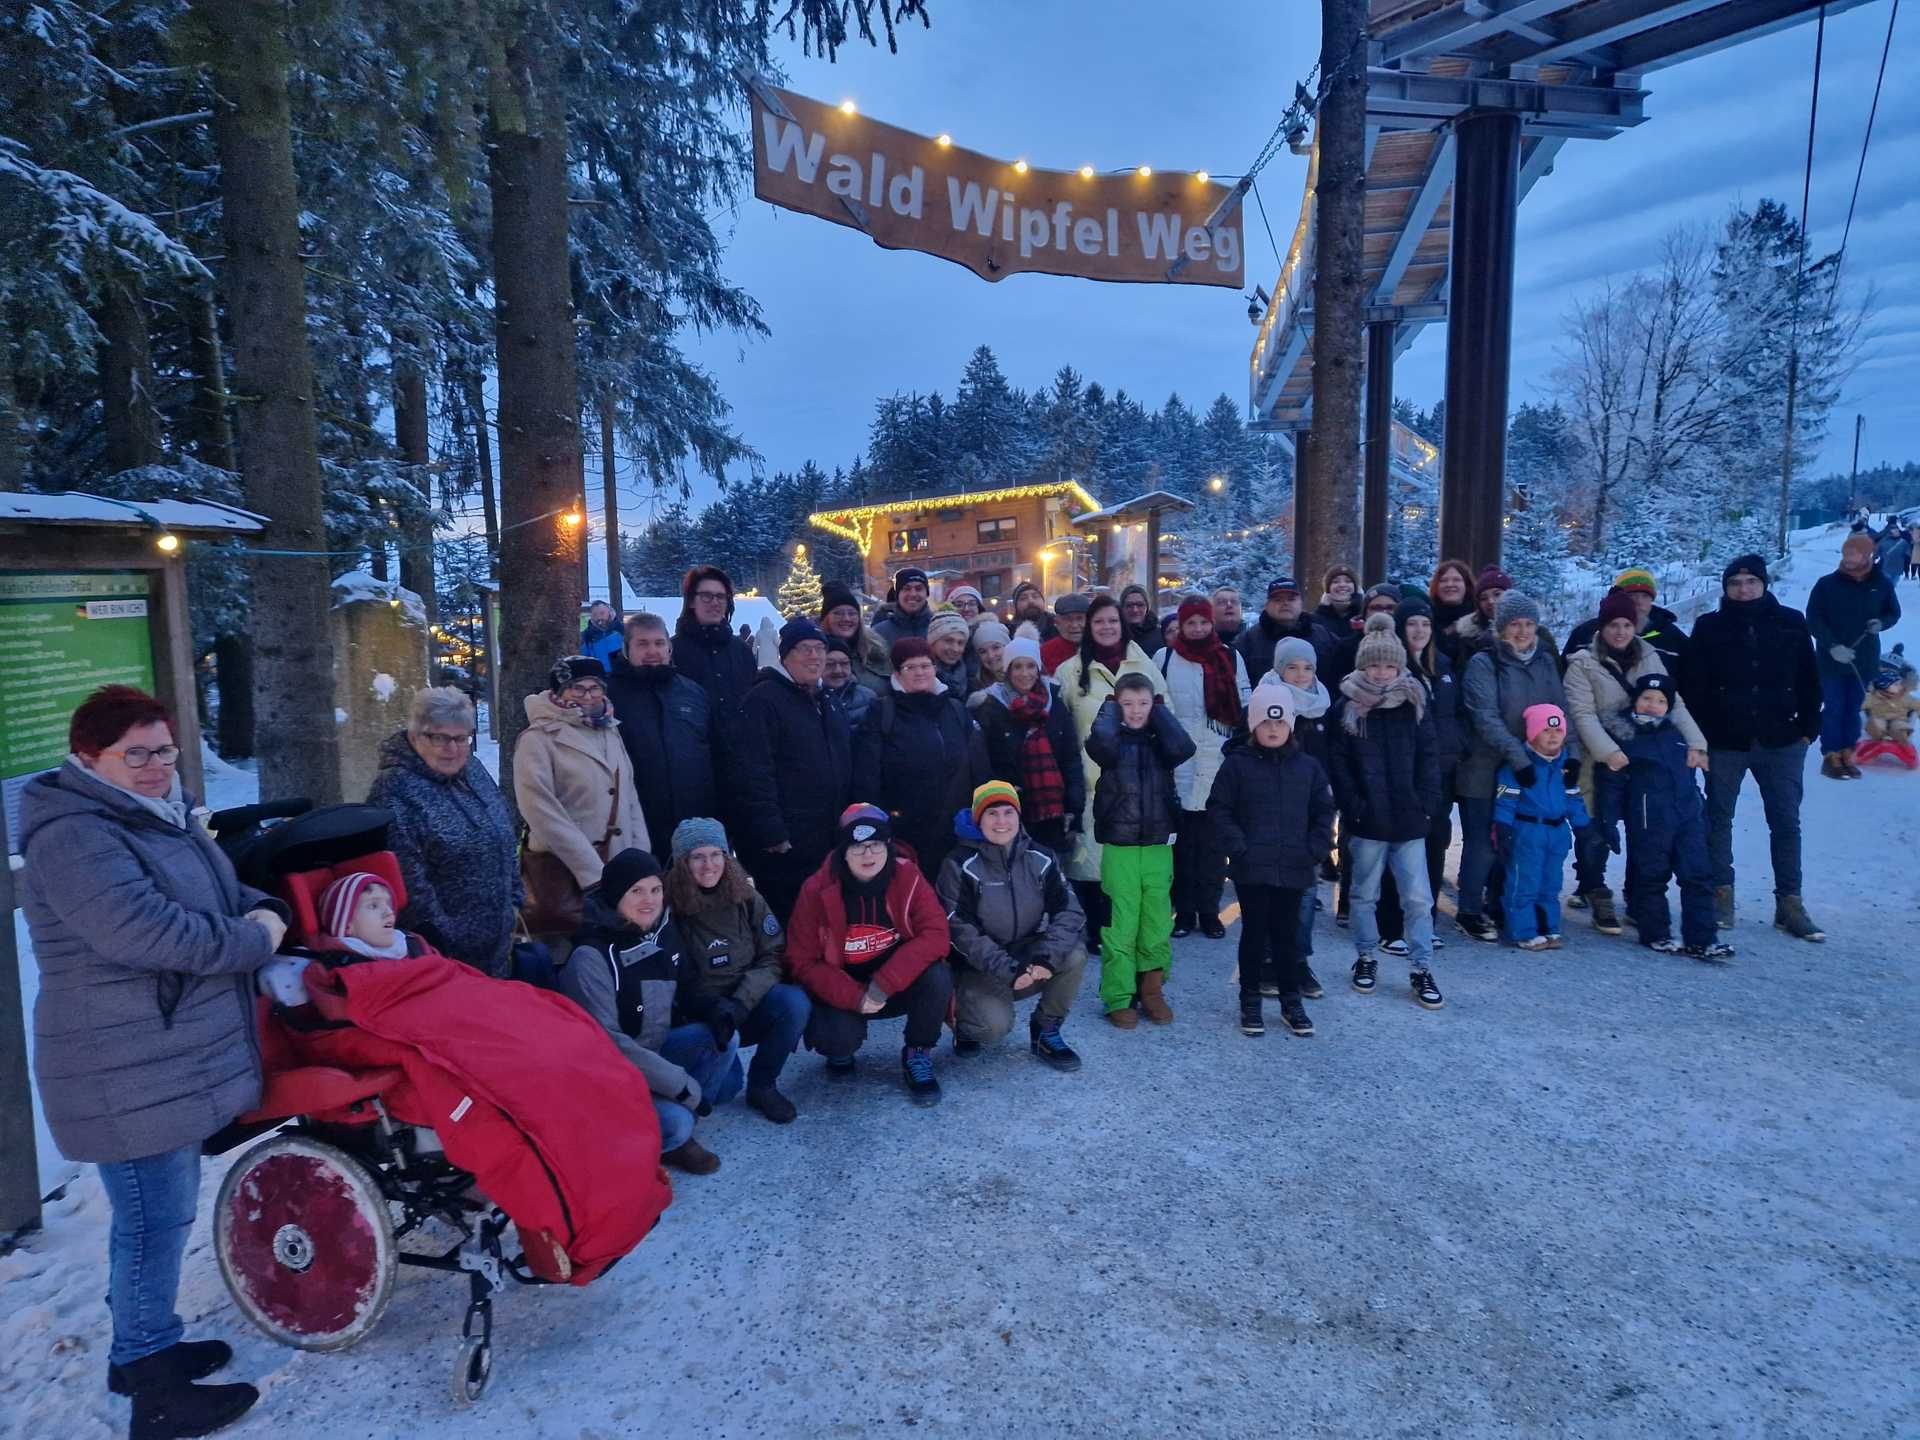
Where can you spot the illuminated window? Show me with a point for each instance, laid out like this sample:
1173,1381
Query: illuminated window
905,542
993,532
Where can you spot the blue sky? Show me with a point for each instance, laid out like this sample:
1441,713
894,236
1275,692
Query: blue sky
1200,89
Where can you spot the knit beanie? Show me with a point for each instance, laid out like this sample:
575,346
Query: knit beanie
990,632
339,898
1196,606
907,575
1346,570
1654,681
1293,648
797,631
1617,604
1409,607
994,792
833,595
1745,565
861,822
948,622
624,871
1636,577
1515,605
1379,645
1492,577
1021,649
696,831
1271,700
834,642
1385,590
1536,718
953,595
909,647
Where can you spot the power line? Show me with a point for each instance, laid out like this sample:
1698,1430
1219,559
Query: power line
1867,139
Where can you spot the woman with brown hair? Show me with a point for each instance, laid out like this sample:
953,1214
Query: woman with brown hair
1454,598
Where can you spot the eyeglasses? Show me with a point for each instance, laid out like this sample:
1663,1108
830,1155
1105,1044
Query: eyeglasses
868,848
446,742
586,689
710,595
137,756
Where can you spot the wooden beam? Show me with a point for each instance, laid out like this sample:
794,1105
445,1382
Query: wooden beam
1433,188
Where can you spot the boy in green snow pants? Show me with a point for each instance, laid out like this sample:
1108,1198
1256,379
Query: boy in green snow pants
1138,744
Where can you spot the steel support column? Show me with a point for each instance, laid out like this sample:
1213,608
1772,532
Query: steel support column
1302,513
1379,441
1479,335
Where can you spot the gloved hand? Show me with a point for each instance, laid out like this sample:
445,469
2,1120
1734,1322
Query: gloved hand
1526,775
1613,840
1842,653
1503,840
1873,627
723,1022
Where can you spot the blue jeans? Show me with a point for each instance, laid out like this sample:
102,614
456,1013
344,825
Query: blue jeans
691,1047
1476,852
774,1030
676,1124
1408,861
153,1200
1840,700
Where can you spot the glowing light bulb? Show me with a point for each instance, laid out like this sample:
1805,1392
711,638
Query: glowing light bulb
1203,177
944,140
1019,167
1146,172
847,107
1086,172
168,543
572,517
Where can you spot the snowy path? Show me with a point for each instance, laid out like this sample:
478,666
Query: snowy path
1601,1193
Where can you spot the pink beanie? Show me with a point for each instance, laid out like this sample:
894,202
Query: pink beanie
339,898
1542,717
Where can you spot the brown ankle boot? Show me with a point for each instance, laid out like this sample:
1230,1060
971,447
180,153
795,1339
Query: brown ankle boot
1853,771
692,1157
1153,997
1125,1018
1833,765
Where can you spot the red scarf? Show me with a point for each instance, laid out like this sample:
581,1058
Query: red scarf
1113,657
1216,665
1043,790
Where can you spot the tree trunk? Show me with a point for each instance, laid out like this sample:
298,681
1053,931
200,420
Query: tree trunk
212,432
1339,296
612,504
540,453
233,659
126,377
483,454
410,432
273,372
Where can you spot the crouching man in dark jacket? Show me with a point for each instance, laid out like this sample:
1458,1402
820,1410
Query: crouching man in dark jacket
1018,930
1138,745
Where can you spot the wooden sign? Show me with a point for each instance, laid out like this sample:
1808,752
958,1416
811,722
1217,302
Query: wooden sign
996,217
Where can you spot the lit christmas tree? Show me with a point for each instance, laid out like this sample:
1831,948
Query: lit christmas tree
800,591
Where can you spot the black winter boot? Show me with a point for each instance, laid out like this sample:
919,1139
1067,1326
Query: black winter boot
190,1360
168,1407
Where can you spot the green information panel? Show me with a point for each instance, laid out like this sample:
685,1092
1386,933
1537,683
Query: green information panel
61,638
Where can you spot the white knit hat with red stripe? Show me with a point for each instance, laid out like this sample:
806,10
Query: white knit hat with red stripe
339,898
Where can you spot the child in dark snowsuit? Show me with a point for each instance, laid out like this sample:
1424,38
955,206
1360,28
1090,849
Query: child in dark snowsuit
1666,829
1531,815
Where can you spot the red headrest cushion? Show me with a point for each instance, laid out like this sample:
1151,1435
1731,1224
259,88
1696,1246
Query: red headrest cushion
303,889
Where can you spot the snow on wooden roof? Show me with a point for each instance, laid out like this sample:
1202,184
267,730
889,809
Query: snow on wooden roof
76,507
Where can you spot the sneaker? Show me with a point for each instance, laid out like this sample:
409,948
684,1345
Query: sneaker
1341,918
840,1067
917,1066
1398,949
1663,947
1211,927
1477,926
1577,900
1183,926
186,1360
1556,941
1425,991
1251,1020
1723,907
1270,989
1716,952
1364,971
692,1157
1790,915
1535,943
1310,986
772,1104
967,1049
1438,943
1046,1044
1295,1014
1605,918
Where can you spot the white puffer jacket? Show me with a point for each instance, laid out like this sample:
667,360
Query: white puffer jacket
1187,698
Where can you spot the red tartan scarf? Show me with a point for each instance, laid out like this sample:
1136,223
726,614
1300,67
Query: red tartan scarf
1043,790
1216,665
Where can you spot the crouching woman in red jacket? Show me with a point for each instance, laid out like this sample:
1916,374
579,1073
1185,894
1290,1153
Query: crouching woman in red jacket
868,940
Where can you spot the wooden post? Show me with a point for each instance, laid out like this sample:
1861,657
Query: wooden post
612,493
19,1156
1153,561
489,642
1373,502
1303,516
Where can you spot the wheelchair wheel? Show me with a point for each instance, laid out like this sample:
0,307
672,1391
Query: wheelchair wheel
472,1370
305,1243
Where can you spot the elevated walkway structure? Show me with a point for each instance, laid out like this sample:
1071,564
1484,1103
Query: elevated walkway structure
1468,104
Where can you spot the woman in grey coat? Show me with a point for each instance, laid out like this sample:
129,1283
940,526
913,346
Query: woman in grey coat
451,833
1516,671
144,1040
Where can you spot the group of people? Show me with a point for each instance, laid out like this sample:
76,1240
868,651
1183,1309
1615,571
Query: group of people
935,815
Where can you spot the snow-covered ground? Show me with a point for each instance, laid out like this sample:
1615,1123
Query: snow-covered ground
1601,1193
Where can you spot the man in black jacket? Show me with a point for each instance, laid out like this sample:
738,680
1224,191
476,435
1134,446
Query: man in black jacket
705,649
1283,617
795,769
666,723
1846,613
1659,627
1749,678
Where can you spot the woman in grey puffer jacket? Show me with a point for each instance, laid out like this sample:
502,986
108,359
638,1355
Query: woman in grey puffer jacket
451,833
144,1040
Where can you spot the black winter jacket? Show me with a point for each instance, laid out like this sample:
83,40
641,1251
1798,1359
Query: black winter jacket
1749,676
1272,813
666,723
795,771
1838,613
1260,634
1387,780
918,757
718,661
1004,736
1135,802
1447,708
1663,633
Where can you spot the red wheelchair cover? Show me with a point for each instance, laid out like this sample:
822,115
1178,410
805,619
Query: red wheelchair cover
523,1089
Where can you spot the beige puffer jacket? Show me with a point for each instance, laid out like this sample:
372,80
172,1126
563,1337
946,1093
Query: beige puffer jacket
568,779
1596,700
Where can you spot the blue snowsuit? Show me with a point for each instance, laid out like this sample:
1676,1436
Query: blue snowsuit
1531,826
1666,835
